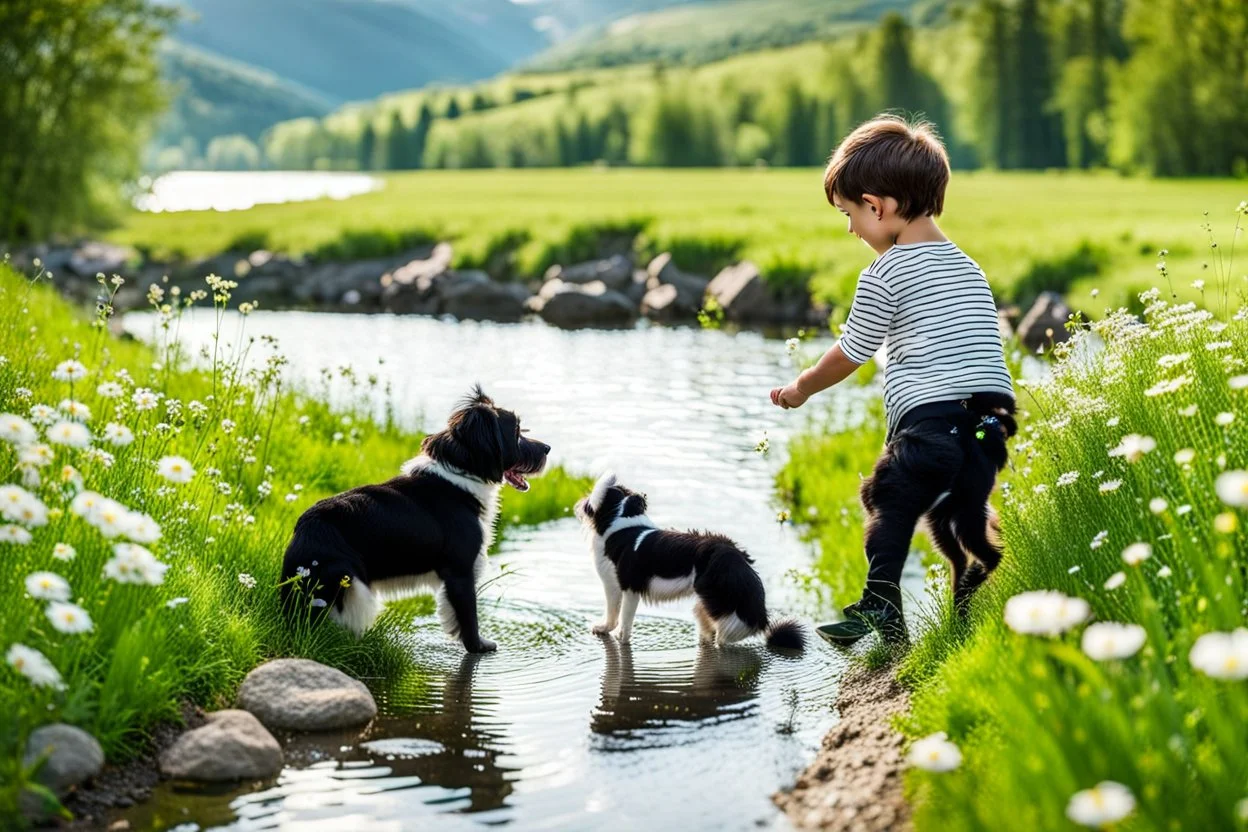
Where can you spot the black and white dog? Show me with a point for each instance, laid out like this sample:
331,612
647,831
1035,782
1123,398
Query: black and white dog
430,527
636,560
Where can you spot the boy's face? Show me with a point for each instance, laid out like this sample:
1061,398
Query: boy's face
867,220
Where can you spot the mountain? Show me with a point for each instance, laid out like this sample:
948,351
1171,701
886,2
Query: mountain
354,49
215,96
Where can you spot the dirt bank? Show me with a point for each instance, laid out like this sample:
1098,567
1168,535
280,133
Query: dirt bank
855,784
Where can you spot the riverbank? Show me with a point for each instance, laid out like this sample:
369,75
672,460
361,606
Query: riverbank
201,471
1099,677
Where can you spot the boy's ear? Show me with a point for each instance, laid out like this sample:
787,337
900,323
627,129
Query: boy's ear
875,204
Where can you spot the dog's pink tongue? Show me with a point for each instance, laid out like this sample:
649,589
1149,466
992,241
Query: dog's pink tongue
516,480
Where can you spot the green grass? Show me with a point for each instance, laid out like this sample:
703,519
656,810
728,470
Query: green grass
1037,718
251,441
1028,231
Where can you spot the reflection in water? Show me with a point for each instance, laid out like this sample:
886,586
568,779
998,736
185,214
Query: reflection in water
639,704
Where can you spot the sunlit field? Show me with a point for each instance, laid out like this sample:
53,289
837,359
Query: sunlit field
1064,231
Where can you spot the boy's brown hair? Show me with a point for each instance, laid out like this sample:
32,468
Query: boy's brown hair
889,156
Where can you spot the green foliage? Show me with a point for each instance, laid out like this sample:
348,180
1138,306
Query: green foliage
261,455
81,85
1056,274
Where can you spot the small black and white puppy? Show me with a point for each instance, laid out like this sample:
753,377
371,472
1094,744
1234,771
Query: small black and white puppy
636,560
428,528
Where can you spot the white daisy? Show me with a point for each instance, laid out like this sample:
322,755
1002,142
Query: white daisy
1044,612
246,580
134,564
17,431
1137,553
1223,419
174,603
63,551
36,455
42,414
70,370
145,399
1184,456
70,434
34,666
1221,655
1111,640
1116,580
47,586
118,435
175,469
1133,447
141,528
69,618
1105,803
109,390
1158,505
1238,382
1232,488
1109,485
14,534
934,753
77,411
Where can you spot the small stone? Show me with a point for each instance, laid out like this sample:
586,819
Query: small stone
303,695
233,745
73,756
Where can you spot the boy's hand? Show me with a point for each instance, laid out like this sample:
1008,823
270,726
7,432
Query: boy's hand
788,397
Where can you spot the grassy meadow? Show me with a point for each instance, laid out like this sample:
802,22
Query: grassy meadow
1099,680
147,500
1066,231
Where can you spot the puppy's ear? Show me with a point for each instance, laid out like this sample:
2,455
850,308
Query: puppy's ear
634,506
605,482
477,396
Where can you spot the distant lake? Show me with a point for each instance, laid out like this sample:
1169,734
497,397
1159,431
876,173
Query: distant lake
200,190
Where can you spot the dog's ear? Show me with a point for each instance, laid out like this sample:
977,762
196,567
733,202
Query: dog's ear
634,506
477,396
605,482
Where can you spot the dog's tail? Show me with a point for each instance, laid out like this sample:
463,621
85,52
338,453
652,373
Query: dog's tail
786,634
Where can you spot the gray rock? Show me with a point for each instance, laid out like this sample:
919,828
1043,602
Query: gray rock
572,306
303,695
409,271
472,295
660,303
742,293
1045,322
615,272
636,288
690,288
73,756
233,745
90,259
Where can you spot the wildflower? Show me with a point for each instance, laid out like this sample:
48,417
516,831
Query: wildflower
1198,285
1223,419
1225,523
934,753
144,399
77,411
1221,655
42,414
175,469
227,426
1232,488
782,516
14,534
1105,803
1072,570
1095,292
1157,505
1133,447
36,455
1111,640
290,498
763,446
247,580
1112,422
1109,485
1137,553
1099,539
1040,488
1184,456
109,390
1213,346
1238,382
17,431
1044,612
303,420
1188,411
174,603
1169,361
70,434
118,435
63,551
141,528
1116,580
34,666
791,345
100,456
1163,387
47,586
134,564
68,618
70,370
302,571
1164,572
1069,478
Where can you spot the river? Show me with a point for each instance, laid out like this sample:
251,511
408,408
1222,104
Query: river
561,729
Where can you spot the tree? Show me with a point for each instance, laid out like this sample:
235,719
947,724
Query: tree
1038,128
419,136
368,146
898,82
452,109
236,152
396,144
79,88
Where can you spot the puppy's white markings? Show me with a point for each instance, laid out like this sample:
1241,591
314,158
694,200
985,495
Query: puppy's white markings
628,611
600,490
360,608
670,589
730,628
641,537
394,589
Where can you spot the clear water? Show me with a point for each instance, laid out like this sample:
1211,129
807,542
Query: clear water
205,190
561,729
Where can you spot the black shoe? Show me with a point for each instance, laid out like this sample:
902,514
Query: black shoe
861,621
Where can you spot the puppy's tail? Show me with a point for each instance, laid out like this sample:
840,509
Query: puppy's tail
786,634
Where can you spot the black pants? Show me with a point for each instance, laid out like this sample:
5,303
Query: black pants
941,463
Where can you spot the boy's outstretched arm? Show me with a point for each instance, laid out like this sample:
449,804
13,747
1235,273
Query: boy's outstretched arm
833,368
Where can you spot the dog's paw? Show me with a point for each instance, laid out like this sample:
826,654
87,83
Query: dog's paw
602,628
483,646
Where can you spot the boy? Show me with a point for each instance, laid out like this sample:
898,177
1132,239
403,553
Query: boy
948,397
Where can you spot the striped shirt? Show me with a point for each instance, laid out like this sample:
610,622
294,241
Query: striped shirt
932,306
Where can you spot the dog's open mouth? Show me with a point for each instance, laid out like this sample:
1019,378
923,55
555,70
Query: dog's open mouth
516,479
